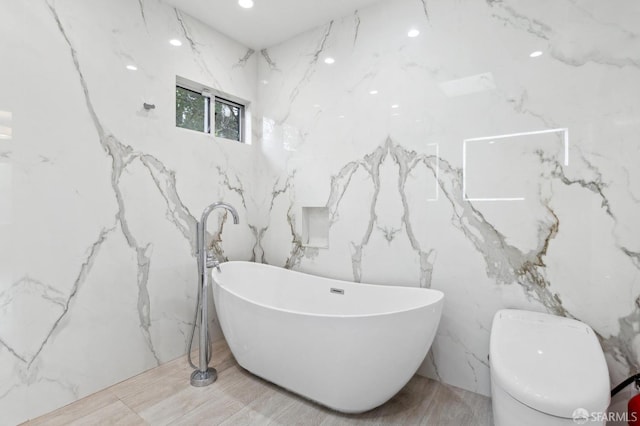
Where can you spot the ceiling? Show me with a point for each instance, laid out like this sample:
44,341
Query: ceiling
269,22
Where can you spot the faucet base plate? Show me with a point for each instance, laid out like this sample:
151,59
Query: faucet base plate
203,378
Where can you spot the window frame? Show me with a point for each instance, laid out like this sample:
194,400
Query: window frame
214,96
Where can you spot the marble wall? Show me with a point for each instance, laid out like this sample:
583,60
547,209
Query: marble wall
99,197
450,160
455,160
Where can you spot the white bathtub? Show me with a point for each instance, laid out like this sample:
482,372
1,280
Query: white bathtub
350,352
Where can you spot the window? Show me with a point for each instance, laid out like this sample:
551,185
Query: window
228,122
191,110
194,111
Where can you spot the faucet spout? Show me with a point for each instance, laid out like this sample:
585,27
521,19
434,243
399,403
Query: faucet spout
220,205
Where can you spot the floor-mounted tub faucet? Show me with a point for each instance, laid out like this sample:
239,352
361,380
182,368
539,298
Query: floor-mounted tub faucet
205,375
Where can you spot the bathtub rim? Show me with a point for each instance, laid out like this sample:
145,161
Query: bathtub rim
435,302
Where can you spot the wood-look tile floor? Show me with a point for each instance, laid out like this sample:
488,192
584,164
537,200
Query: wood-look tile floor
163,396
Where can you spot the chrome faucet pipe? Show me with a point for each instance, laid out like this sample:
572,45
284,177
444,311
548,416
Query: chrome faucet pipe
222,205
205,375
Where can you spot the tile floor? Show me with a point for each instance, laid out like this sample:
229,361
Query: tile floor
163,396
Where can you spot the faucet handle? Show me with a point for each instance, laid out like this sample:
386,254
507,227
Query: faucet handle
212,260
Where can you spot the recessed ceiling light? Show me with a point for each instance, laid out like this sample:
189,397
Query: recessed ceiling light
247,4
373,92
316,105
265,81
341,116
132,68
413,33
394,106
329,61
175,42
535,54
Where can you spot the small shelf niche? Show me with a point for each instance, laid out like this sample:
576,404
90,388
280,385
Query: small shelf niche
315,227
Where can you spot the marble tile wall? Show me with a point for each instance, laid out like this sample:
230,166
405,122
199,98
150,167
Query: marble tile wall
456,161
99,197
450,160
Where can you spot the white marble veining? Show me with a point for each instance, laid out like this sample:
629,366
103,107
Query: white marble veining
399,138
99,197
546,221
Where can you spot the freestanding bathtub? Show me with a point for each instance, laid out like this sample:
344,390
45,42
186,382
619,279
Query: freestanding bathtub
348,346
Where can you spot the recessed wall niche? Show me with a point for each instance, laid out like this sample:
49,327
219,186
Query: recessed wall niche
315,227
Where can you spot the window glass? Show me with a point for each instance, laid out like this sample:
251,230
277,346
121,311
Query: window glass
191,110
228,120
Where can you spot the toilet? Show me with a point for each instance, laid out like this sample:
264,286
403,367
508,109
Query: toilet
546,370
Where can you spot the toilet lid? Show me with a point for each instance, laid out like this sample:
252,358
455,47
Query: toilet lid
549,363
